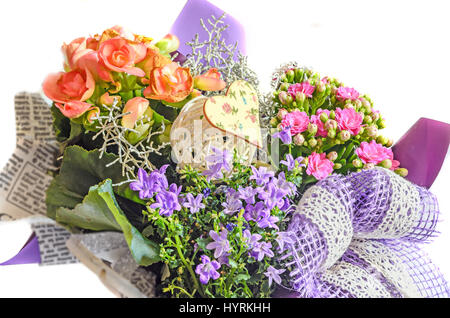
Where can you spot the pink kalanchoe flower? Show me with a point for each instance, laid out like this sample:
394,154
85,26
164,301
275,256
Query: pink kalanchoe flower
319,166
375,153
315,119
304,88
349,119
344,93
296,121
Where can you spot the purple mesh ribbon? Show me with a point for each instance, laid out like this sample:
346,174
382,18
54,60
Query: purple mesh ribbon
366,196
426,276
429,216
305,256
371,197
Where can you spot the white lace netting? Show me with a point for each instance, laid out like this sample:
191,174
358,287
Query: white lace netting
332,218
403,213
355,280
387,263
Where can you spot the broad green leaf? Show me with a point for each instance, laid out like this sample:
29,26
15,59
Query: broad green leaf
91,214
61,124
99,211
144,251
80,170
66,130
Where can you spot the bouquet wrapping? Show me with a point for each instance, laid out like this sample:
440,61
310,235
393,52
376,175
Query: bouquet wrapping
172,175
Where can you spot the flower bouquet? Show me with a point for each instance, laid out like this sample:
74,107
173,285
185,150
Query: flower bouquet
293,193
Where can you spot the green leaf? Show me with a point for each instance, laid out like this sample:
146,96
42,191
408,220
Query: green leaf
100,211
144,251
241,277
92,214
80,170
61,124
66,131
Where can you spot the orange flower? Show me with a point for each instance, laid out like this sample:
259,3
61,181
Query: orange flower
136,108
209,81
108,100
73,52
119,56
73,109
77,85
152,60
170,83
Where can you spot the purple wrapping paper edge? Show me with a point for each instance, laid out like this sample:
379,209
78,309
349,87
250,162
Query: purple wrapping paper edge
29,254
188,24
422,150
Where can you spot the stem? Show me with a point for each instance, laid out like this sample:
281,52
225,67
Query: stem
183,290
188,266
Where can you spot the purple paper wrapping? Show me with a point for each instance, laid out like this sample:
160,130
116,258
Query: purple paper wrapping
422,150
29,254
188,24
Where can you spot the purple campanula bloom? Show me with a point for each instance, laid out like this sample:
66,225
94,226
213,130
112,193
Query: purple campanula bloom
194,204
207,269
232,204
291,163
284,135
261,175
221,245
287,206
260,250
220,157
284,238
268,221
274,274
230,226
273,196
214,172
148,185
283,185
255,212
224,259
206,192
248,194
251,239
167,202
142,185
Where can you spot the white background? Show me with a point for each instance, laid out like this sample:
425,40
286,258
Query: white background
395,51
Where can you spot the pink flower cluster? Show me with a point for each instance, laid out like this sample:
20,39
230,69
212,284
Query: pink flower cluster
349,119
296,121
319,166
375,153
304,88
344,93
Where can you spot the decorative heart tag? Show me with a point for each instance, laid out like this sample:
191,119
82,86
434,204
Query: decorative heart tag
237,112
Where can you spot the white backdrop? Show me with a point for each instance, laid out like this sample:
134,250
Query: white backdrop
395,51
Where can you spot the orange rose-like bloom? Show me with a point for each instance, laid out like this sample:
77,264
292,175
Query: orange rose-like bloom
73,52
73,109
77,85
209,81
136,107
119,56
170,83
152,60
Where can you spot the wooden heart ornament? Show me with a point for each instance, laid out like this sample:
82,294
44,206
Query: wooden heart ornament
236,113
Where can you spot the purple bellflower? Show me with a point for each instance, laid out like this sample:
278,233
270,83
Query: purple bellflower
221,245
274,275
207,269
